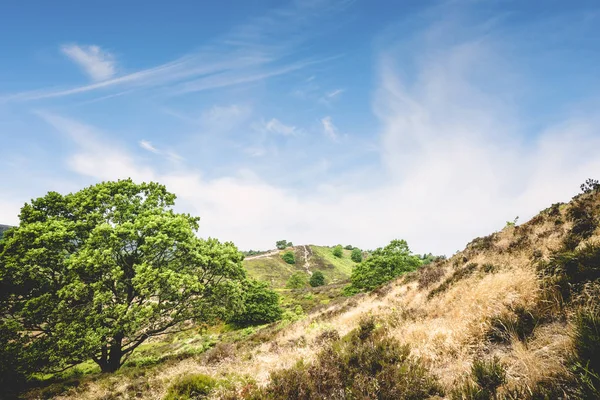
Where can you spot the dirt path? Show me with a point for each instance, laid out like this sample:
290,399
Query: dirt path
306,262
269,254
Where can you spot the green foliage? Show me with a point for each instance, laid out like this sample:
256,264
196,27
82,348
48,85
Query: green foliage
365,364
349,247
297,281
384,265
283,244
261,305
337,251
196,386
317,279
95,273
289,257
513,222
356,255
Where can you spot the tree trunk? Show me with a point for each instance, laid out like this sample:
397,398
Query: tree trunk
113,362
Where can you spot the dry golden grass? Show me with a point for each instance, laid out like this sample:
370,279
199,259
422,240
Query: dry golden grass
447,331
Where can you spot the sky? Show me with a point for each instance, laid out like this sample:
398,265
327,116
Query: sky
315,121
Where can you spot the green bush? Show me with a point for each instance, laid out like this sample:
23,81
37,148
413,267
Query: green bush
338,251
261,305
356,255
298,280
196,386
317,279
384,265
349,247
289,257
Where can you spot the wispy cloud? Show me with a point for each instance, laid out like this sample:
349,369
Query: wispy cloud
95,62
334,93
253,52
278,127
146,145
329,129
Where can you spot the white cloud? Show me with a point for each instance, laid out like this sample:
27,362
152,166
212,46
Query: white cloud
334,93
276,126
329,129
95,62
146,145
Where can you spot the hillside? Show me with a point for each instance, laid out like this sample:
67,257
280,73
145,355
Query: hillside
271,268
505,312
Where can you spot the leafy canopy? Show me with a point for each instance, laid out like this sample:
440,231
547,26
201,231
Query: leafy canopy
356,255
317,279
289,257
384,265
93,274
261,305
283,244
337,251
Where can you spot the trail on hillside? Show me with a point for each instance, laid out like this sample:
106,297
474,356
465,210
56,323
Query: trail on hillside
269,254
306,262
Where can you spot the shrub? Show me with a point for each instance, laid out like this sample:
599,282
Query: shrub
196,386
430,275
317,279
298,280
489,268
283,244
485,379
519,322
384,265
289,257
458,275
356,255
590,185
337,251
568,271
349,247
363,364
261,305
586,343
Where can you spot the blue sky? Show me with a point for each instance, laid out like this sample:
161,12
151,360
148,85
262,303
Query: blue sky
318,121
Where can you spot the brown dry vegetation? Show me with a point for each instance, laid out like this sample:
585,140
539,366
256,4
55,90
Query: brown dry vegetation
446,330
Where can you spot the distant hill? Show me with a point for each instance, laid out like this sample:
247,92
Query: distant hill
4,228
270,267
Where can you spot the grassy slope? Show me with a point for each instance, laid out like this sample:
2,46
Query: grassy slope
276,271
447,329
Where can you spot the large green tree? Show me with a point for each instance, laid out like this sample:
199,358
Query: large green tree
93,274
383,265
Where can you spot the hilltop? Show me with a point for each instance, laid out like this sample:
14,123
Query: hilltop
502,318
270,267
4,228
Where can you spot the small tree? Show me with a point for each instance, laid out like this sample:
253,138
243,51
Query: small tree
384,265
94,274
281,244
317,279
349,247
261,305
356,255
590,185
338,251
289,257
298,280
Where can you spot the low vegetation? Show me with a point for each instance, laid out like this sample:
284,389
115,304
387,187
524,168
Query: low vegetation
515,315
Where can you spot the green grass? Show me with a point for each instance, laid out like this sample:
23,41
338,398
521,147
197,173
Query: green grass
276,271
335,269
